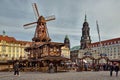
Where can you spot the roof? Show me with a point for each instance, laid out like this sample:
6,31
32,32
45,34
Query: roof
106,42
54,58
75,48
12,40
39,44
66,37
7,38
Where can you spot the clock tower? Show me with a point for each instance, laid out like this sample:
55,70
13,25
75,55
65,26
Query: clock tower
85,39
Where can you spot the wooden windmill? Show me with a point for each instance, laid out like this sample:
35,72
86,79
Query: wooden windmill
41,32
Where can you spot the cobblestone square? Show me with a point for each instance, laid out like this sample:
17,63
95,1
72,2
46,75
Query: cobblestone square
72,75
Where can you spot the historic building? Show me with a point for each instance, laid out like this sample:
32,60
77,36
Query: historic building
110,48
66,48
74,51
10,48
85,39
85,42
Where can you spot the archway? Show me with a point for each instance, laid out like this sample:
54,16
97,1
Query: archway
87,63
102,62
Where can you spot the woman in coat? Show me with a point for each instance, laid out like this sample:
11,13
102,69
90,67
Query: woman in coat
16,68
116,69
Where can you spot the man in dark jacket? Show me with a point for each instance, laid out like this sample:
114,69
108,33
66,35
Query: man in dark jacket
16,68
111,69
116,69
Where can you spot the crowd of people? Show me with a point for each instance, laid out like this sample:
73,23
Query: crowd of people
78,67
114,67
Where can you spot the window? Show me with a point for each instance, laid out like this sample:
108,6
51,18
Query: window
17,49
4,48
9,49
17,55
9,55
13,49
118,53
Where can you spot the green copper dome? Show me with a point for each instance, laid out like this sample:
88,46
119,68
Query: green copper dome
75,48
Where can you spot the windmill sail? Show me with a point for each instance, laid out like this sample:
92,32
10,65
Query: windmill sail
35,9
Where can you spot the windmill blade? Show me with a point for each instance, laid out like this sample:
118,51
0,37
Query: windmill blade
27,27
49,18
35,10
29,24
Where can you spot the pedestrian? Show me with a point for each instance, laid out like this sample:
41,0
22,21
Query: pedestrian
116,69
16,68
51,68
111,69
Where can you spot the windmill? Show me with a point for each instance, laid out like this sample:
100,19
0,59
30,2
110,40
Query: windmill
41,33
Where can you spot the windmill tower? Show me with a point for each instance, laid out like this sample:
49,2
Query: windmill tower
41,33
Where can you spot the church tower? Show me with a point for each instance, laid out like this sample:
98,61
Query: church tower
67,41
85,39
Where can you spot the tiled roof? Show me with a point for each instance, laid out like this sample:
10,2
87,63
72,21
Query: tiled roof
12,40
7,38
106,42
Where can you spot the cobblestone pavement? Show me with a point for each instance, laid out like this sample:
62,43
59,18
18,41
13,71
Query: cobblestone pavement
72,75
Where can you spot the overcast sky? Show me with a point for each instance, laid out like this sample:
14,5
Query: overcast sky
69,15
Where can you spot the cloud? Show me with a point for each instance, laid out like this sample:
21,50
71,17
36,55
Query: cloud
69,18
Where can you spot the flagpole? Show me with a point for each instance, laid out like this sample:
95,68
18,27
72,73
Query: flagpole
99,37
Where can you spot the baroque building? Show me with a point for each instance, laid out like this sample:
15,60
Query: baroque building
111,48
85,39
10,48
79,51
65,50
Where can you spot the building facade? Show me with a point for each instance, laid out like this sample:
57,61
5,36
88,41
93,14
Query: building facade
85,42
10,48
65,50
109,47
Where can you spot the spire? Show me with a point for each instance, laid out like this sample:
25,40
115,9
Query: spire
85,39
85,18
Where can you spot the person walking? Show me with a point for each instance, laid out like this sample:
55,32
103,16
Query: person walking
111,69
116,69
51,68
16,68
